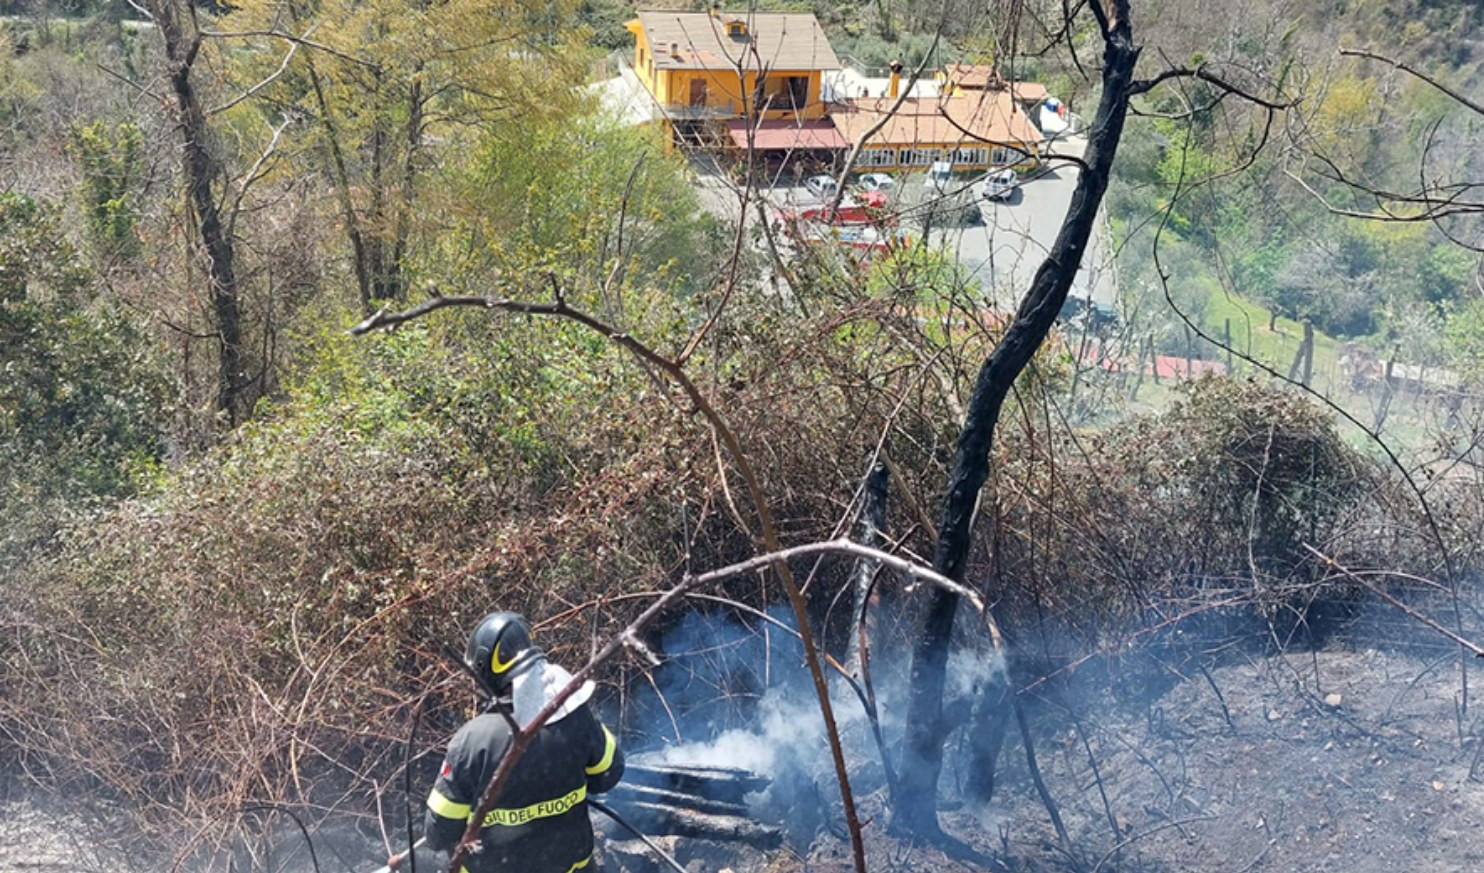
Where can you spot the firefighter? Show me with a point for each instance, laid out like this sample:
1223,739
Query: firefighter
540,821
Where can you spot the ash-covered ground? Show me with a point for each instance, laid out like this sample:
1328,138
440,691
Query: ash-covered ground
1346,757
1339,759
1362,753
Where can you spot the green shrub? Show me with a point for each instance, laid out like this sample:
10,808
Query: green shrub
82,396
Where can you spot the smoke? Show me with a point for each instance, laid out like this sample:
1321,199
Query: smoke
739,695
1116,717
785,725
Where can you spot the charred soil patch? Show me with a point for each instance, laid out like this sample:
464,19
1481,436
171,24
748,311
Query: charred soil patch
1341,759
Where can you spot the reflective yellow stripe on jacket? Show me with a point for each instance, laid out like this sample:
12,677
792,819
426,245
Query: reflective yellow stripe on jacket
544,809
609,746
447,808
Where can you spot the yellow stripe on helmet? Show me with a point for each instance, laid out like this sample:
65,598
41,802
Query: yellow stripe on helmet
495,664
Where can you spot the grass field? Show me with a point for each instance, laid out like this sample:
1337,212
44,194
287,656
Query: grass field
1248,325
1407,421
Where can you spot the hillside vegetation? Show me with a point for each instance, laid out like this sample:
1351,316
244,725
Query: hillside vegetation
236,541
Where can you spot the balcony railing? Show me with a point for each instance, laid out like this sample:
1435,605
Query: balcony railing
687,112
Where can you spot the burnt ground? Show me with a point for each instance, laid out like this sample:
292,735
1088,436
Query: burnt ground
1339,759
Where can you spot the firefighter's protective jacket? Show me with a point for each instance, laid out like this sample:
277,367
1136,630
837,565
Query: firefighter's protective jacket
540,821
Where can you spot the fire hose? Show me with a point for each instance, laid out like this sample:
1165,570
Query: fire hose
669,860
395,861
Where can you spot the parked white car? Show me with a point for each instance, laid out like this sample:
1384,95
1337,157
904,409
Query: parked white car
820,186
998,185
877,182
939,175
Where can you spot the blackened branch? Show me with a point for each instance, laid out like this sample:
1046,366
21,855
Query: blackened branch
1143,86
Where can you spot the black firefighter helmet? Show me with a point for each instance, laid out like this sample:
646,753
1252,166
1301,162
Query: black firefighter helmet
499,649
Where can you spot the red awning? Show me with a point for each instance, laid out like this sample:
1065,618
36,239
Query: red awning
784,134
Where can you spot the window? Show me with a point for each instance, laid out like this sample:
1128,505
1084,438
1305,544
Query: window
921,157
797,88
640,61
970,155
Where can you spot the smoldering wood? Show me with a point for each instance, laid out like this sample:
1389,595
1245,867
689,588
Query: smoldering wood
654,818
729,784
624,794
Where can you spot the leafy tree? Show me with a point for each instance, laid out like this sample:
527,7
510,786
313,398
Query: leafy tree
81,399
398,94
1463,334
606,20
571,196
112,162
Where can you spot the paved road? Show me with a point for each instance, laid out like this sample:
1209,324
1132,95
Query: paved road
1003,251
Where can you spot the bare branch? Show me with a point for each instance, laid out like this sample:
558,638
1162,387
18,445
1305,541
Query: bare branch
1406,68
258,170
1204,73
1395,601
279,34
288,56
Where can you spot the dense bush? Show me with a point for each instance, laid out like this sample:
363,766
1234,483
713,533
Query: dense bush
81,398
263,628
1221,500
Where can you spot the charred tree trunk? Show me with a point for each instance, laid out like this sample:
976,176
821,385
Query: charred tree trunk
872,527
987,728
916,812
202,173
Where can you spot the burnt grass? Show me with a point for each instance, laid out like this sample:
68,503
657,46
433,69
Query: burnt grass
1344,757
1346,748
1351,750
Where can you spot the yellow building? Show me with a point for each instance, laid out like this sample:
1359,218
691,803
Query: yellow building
747,73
